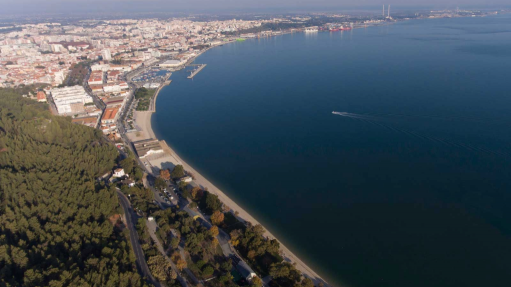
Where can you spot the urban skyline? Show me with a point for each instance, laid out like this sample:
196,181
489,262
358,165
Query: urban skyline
226,6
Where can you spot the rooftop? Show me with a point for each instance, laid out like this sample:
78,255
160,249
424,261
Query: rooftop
144,146
85,120
110,113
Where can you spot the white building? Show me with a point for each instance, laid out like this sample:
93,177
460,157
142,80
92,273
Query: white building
156,54
112,88
124,85
129,182
186,179
106,55
57,48
59,77
171,64
147,56
99,67
70,99
151,85
246,271
119,172
122,68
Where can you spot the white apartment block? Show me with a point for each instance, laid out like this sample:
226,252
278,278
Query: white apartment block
112,88
59,77
70,99
98,67
106,55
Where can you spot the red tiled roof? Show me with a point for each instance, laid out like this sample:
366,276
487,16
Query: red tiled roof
110,113
41,96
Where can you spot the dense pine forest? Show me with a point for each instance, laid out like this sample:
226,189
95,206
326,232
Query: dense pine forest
56,220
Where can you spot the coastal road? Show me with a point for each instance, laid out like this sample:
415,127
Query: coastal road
123,113
137,249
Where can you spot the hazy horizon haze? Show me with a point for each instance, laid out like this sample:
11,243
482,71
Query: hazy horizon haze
227,6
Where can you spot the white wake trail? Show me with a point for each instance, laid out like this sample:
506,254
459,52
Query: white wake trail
376,121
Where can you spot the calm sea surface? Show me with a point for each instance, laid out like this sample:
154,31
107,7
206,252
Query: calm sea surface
409,186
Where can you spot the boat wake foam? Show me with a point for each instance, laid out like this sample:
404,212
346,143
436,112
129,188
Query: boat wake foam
378,122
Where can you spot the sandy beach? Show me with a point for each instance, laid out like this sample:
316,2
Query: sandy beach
143,122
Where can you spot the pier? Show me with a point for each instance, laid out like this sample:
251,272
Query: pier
196,71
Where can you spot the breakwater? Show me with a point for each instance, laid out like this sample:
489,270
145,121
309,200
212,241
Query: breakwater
196,71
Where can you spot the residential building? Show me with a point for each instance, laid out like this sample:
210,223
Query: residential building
96,78
87,121
106,55
112,88
119,172
110,115
41,97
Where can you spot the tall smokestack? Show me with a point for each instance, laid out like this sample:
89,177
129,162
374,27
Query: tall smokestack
389,11
383,14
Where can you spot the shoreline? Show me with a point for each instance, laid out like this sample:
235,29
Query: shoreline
244,216
143,122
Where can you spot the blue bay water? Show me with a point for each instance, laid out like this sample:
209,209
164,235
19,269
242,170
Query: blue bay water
409,187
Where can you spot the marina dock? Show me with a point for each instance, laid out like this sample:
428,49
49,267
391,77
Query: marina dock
196,71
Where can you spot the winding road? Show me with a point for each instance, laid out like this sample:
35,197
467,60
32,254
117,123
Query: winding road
139,254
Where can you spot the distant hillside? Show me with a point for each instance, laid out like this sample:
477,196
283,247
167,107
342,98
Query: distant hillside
54,216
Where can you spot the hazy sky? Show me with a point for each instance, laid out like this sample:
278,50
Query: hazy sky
216,6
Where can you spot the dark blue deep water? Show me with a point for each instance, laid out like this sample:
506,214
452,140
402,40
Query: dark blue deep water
411,187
